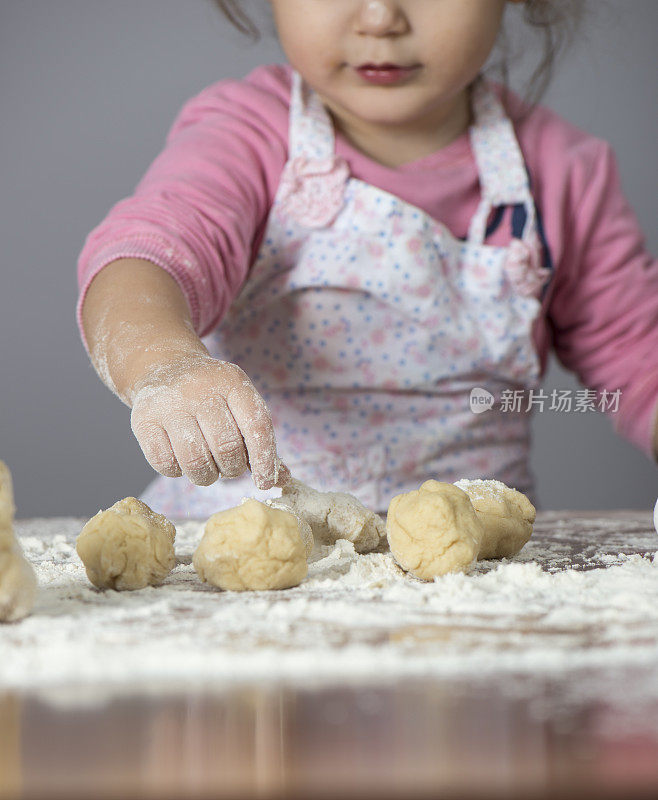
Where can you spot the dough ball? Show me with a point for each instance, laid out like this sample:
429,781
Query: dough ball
335,515
433,530
252,546
128,546
6,502
507,516
18,584
6,536
305,530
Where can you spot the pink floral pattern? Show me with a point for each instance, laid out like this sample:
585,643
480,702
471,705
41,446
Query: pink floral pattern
312,190
524,269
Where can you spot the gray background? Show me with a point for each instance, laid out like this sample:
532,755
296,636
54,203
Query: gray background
88,89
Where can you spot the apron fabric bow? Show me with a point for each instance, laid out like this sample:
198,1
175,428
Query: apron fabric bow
312,189
523,267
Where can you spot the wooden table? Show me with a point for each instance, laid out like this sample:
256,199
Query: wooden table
494,737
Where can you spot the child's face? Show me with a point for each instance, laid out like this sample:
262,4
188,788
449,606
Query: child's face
447,41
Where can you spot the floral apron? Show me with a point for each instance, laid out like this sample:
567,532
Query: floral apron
365,324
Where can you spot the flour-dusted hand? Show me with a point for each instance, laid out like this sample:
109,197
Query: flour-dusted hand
203,418
192,414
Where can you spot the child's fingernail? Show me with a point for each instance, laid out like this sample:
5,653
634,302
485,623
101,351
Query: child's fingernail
263,482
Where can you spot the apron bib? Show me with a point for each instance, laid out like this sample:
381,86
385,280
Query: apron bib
365,324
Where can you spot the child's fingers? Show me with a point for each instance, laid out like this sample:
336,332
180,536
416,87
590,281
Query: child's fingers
157,448
284,476
192,451
223,437
250,412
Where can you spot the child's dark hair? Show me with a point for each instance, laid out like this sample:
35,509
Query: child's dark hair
555,20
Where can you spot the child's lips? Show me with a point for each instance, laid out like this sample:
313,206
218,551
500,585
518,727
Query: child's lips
385,73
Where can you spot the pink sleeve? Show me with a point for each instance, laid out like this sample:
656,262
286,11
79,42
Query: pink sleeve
200,210
604,311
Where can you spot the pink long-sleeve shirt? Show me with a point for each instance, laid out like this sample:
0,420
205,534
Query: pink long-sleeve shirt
200,213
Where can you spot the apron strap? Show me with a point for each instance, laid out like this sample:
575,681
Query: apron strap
501,166
311,129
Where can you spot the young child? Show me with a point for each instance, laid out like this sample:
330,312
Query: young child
362,237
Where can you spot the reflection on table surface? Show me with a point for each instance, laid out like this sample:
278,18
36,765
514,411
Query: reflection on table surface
420,739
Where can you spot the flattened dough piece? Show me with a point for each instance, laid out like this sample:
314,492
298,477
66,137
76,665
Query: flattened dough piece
127,547
334,515
252,546
433,530
507,516
18,583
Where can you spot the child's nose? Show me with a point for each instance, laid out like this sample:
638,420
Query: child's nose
379,17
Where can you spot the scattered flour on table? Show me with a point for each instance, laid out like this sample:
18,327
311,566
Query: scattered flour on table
355,618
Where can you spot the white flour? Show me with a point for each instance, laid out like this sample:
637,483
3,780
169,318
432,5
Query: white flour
355,618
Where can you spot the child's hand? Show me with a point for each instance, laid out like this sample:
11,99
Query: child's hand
203,418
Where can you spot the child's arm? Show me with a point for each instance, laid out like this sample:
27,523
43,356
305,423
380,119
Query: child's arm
604,309
164,266
190,412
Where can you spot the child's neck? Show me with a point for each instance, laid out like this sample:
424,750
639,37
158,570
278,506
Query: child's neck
396,144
